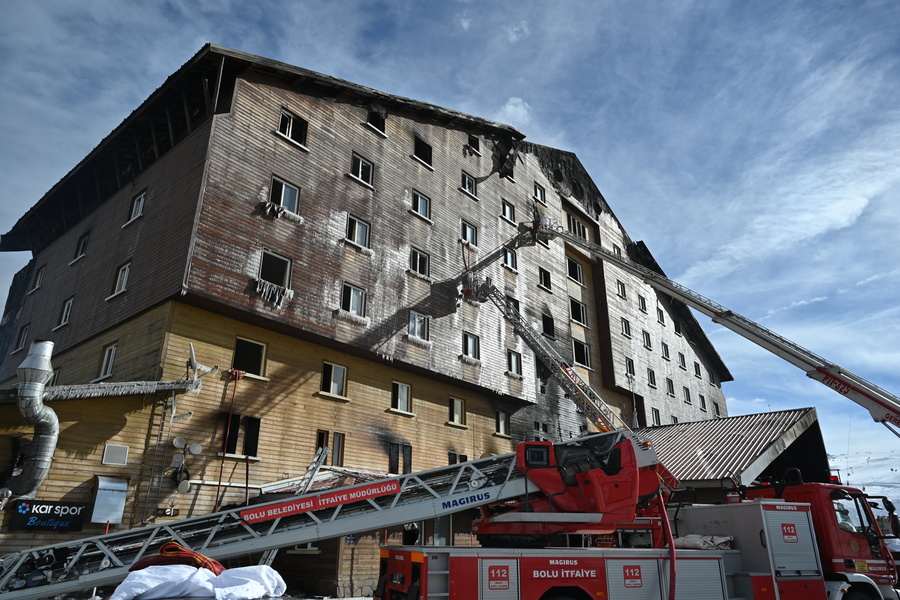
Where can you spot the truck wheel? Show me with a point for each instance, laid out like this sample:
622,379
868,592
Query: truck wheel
856,595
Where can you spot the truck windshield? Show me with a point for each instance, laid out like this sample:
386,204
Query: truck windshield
849,513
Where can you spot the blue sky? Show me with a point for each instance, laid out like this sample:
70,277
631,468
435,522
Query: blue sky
754,146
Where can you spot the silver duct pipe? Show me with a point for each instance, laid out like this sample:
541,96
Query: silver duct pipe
34,374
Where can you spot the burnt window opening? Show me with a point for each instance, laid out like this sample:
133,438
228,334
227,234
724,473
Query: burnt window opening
422,150
249,357
275,269
547,325
293,128
335,449
234,426
376,120
397,451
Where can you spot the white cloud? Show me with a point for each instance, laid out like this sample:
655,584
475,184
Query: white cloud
518,31
515,112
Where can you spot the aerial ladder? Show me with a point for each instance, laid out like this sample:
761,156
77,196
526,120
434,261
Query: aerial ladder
883,406
79,565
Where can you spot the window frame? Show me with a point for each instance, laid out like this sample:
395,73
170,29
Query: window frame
540,194
120,284
38,279
284,264
420,323
621,290
379,124
422,152
362,170
457,412
581,319
81,246
548,325
353,299
502,423
686,393
292,119
417,202
468,185
471,345
239,359
354,226
465,229
651,378
510,259
626,327
670,387
648,341
655,416
419,262
513,362
65,313
22,337
329,371
107,362
398,402
136,210
585,349
544,280
278,181
579,271
507,211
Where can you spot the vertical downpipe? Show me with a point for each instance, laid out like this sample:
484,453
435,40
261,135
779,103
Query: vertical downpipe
34,374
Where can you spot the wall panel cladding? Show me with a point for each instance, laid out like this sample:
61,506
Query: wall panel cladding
292,408
172,188
234,229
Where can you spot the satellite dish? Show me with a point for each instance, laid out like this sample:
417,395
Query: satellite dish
195,369
195,448
184,487
179,442
192,363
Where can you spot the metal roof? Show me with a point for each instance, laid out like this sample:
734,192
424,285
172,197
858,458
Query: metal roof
740,449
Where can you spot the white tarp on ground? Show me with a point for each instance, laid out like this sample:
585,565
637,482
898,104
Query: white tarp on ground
179,581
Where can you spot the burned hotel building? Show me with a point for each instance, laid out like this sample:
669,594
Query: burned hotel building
313,240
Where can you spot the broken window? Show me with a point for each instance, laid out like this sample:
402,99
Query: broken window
418,325
376,120
582,353
334,379
544,278
421,204
285,195
573,270
396,451
419,262
233,428
578,311
275,269
362,170
422,150
474,144
293,128
249,357
357,231
401,398
468,185
549,328
335,450
353,300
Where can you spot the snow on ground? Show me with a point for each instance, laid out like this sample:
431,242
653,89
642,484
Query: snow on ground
876,473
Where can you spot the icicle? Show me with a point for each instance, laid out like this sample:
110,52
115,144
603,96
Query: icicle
272,292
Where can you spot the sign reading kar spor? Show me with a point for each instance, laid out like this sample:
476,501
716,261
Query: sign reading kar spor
45,515
301,505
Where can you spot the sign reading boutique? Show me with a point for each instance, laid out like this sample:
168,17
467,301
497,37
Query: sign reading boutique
45,515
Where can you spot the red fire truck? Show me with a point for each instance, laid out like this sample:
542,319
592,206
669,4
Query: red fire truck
787,542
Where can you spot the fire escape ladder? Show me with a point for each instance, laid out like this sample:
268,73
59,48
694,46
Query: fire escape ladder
159,458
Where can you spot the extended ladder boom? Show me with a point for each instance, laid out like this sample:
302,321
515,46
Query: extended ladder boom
79,565
881,404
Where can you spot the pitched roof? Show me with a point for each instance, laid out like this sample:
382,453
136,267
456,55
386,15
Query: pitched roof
742,448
